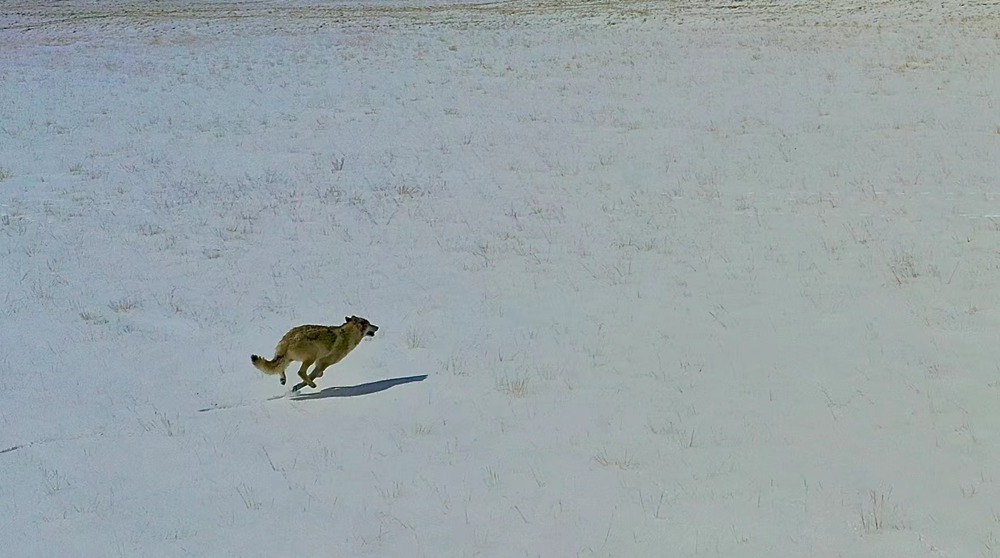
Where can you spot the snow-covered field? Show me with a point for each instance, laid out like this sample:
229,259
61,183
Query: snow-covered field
684,278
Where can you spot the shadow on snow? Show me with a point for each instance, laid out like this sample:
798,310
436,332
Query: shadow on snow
362,389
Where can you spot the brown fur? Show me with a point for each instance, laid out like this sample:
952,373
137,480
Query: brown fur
321,345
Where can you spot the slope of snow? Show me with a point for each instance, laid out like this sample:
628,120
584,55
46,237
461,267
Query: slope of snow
684,278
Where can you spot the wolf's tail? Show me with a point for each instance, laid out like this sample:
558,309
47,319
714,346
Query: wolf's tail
276,366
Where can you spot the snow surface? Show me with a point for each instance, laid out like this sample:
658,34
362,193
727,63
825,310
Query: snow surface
685,278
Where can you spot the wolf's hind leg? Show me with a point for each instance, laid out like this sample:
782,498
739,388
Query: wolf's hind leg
305,377
282,364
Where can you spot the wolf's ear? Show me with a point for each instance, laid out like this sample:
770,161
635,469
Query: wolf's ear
346,319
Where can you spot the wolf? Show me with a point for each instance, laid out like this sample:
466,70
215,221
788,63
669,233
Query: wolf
319,344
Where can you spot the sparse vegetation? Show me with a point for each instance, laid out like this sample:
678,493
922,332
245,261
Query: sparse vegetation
126,304
516,387
414,339
667,272
247,496
618,461
903,267
878,513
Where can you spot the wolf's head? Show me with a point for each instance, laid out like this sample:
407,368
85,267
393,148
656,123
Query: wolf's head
367,328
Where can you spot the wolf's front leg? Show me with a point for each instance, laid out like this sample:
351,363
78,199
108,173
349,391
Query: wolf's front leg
320,367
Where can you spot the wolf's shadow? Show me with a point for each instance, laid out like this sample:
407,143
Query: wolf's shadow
354,391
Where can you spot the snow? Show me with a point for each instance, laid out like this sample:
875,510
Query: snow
653,279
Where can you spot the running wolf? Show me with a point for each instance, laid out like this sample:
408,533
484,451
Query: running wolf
319,344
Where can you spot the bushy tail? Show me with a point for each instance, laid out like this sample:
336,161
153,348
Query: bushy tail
276,366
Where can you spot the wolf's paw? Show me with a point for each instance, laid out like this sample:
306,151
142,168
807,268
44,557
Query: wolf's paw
282,380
